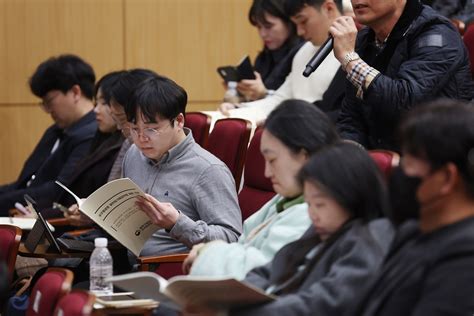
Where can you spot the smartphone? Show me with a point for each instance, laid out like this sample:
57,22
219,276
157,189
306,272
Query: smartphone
243,70
228,73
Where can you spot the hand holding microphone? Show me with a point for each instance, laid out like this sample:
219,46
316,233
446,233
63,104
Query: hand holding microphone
343,33
319,57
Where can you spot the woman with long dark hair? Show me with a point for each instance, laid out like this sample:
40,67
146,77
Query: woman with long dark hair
323,272
280,44
292,132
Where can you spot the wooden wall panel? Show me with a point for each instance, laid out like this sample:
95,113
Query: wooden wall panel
183,39
33,30
188,39
22,127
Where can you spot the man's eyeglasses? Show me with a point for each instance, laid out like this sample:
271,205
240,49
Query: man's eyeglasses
46,102
148,132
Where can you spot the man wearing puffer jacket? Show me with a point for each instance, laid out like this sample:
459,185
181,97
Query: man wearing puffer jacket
408,54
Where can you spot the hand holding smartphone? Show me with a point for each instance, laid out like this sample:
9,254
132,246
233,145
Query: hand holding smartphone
243,70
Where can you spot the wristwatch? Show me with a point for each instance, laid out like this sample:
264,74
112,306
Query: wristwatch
348,58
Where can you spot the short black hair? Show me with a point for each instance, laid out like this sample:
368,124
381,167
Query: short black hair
105,83
157,96
62,73
440,132
293,7
300,125
272,7
122,89
349,175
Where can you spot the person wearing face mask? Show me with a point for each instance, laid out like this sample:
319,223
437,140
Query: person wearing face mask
429,268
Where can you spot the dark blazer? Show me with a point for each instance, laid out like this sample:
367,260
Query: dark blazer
332,281
430,274
47,167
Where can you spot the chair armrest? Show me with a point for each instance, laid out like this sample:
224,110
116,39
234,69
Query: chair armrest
162,259
63,223
58,221
150,263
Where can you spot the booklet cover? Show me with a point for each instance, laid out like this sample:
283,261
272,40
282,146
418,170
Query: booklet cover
112,207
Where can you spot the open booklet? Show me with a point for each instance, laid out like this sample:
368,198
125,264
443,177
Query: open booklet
112,207
182,291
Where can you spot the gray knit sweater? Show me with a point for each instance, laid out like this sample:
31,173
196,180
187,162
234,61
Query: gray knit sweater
198,184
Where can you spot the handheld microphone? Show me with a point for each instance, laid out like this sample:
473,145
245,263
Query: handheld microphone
318,58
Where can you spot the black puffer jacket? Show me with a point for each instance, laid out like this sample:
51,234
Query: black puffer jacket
424,59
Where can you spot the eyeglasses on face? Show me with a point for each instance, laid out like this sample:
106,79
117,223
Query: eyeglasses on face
46,103
148,132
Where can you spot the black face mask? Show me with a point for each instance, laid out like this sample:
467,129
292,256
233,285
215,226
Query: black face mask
402,189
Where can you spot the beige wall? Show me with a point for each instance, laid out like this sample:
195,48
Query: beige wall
183,39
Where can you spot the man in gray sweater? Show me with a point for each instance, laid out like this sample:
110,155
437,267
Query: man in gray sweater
190,193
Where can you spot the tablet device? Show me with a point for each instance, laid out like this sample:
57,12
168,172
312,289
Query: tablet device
53,245
40,230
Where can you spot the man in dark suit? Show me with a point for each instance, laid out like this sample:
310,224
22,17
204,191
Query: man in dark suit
66,86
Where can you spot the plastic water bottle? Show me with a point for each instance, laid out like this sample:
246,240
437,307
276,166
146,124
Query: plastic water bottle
101,267
232,95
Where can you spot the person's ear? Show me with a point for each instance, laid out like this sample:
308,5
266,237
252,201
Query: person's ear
304,155
451,179
329,8
76,92
180,120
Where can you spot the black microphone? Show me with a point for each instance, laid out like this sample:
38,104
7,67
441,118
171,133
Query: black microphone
318,58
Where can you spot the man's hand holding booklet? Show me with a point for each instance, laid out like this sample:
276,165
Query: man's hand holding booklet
113,207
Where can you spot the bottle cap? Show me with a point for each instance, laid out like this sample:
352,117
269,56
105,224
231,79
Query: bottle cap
100,242
232,84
